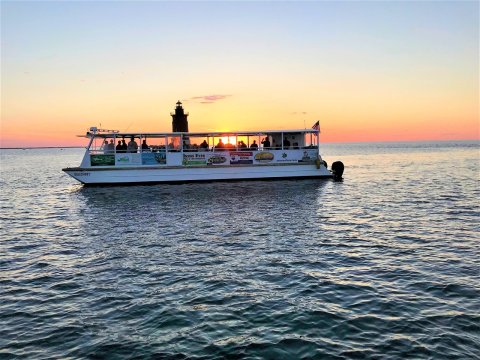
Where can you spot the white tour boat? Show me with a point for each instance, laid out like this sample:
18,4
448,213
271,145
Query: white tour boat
113,157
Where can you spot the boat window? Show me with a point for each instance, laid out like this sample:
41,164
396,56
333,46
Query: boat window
197,143
154,143
292,141
96,144
276,141
174,143
242,143
224,142
218,144
121,144
229,142
133,143
311,140
104,144
264,142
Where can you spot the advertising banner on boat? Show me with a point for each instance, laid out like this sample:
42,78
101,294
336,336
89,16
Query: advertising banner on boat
128,159
246,157
264,157
157,158
218,158
309,155
286,156
296,156
241,157
194,159
102,160
205,158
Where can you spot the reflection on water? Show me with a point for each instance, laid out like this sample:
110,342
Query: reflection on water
251,197
382,264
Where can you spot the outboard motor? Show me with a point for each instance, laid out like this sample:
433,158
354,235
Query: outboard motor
337,170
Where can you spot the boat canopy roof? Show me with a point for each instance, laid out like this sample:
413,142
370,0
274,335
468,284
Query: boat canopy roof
112,133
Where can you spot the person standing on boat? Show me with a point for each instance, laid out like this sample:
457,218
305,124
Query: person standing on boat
132,146
266,143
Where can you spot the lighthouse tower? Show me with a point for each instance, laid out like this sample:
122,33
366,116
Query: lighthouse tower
179,119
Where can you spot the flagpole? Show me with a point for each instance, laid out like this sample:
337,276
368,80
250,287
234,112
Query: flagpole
316,127
318,136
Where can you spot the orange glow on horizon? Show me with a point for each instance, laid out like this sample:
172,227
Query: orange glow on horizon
68,139
364,119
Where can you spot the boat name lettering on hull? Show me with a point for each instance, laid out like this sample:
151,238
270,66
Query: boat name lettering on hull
81,174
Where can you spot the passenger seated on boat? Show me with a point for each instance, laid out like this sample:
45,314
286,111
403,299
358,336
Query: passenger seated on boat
119,147
124,146
110,147
144,145
266,143
242,145
132,146
220,145
104,146
254,145
286,143
204,145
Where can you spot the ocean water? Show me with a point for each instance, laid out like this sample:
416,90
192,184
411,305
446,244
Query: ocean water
384,265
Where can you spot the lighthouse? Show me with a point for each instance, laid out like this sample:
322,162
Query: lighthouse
179,119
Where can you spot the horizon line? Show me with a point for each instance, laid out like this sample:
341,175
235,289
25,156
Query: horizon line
325,142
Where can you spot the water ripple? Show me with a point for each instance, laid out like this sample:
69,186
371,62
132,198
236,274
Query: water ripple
383,265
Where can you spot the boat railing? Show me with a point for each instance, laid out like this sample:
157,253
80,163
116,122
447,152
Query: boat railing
212,149
183,142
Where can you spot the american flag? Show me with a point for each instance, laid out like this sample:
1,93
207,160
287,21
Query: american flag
316,126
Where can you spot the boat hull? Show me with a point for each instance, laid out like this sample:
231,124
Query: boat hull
138,175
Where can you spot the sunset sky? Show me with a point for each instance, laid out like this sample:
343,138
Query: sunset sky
369,71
